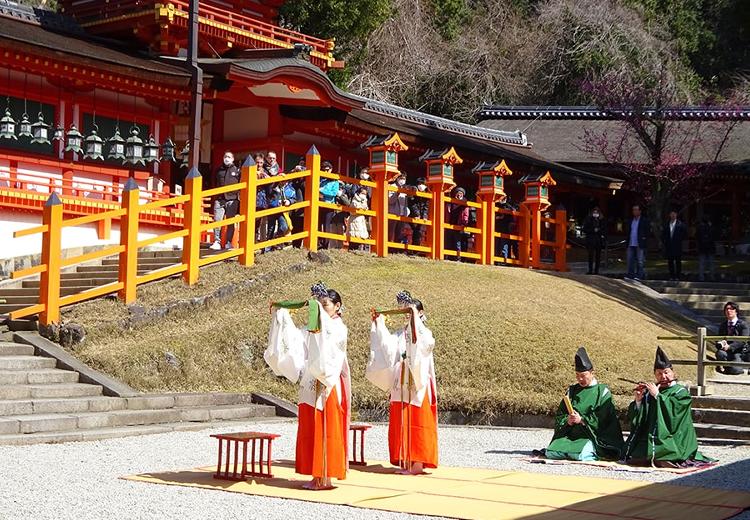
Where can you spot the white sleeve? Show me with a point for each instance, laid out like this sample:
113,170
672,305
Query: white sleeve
383,353
419,354
326,350
285,353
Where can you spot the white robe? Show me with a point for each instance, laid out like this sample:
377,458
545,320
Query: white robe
319,356
390,354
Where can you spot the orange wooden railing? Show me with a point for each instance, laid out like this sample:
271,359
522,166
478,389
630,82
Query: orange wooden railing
484,250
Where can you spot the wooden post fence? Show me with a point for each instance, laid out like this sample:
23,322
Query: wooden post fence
249,177
312,190
128,265
191,247
49,286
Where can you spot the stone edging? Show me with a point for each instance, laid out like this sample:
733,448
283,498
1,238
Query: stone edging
283,407
44,347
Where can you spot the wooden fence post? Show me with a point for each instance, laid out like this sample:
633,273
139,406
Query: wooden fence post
191,247
49,286
701,369
380,206
312,192
486,220
247,208
524,231
561,240
437,216
128,267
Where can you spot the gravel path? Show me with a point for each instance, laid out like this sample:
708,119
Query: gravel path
80,480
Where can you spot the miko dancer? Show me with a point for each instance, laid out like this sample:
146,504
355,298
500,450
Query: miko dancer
325,386
403,364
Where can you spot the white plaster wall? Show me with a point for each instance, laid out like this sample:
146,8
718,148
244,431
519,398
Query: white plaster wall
11,221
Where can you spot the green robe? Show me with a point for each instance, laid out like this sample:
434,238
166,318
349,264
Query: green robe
600,424
662,428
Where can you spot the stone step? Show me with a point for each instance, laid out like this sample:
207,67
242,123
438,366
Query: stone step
718,416
26,362
724,293
687,298
739,287
98,275
144,261
86,283
34,291
15,349
20,301
721,403
37,376
715,307
62,405
96,434
48,391
65,422
722,431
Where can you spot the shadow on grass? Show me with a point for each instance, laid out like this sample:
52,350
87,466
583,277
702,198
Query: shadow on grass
632,297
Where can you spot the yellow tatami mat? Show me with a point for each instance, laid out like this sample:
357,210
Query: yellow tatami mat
474,493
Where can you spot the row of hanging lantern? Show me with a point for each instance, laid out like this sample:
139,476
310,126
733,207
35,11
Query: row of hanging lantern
132,150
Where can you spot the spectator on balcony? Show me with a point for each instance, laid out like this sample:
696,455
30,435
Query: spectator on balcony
458,215
419,207
226,205
270,165
352,188
298,215
282,194
398,205
261,200
329,191
358,224
673,235
705,239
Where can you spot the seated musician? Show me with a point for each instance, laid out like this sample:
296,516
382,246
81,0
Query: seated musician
661,422
590,429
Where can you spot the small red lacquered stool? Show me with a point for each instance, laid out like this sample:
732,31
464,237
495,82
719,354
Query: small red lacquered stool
234,440
361,428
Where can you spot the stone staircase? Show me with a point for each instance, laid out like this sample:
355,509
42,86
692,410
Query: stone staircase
706,299
722,418
26,292
40,403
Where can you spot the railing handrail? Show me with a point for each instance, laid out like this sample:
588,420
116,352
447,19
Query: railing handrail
195,225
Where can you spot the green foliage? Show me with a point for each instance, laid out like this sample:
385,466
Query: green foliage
450,16
349,22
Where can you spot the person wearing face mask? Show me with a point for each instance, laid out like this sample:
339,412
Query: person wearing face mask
316,355
403,363
458,214
226,205
590,429
596,237
419,207
397,205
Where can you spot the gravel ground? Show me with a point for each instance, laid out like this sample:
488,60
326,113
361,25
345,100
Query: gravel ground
80,480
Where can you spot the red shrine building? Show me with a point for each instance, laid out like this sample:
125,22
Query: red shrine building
98,93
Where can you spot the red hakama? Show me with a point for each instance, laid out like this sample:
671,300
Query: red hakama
309,459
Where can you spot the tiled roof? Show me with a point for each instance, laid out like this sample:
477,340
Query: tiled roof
592,113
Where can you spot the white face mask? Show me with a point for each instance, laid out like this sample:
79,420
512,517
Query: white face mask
595,214
364,176
228,160
401,182
422,187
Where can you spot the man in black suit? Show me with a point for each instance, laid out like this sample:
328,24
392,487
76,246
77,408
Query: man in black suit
639,230
732,350
672,237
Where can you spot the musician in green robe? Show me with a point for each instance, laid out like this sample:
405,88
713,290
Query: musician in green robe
661,422
591,431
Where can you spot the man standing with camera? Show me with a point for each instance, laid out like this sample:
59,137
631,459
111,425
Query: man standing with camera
734,350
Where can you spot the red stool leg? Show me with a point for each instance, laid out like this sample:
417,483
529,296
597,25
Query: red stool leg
253,457
226,466
244,459
260,456
362,447
218,464
236,457
268,461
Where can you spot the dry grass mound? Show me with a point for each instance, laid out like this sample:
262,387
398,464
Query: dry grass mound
505,337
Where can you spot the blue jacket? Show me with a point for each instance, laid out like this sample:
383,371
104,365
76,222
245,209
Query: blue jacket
329,189
281,193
